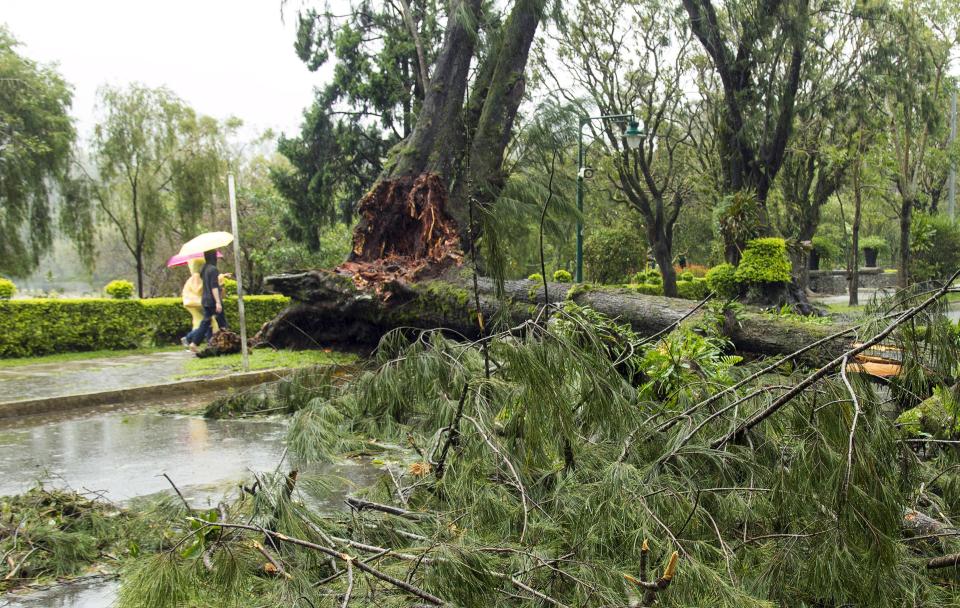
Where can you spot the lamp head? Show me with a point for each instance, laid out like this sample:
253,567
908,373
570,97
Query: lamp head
633,135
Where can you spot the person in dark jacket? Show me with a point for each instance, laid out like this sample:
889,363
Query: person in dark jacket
211,301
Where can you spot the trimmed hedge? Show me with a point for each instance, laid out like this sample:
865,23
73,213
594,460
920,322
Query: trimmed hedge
649,289
7,289
119,289
45,326
722,280
695,289
764,261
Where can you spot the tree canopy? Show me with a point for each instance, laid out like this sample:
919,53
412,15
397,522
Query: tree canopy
36,139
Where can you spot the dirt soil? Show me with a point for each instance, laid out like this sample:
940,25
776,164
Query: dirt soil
405,234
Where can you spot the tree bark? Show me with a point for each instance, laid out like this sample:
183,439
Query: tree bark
906,215
328,308
428,148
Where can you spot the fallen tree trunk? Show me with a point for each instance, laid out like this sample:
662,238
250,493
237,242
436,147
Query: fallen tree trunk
329,308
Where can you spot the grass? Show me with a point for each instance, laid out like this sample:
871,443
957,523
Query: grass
265,359
82,356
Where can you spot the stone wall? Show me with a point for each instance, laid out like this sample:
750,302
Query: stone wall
834,282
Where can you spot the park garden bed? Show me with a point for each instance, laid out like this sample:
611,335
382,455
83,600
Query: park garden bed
42,326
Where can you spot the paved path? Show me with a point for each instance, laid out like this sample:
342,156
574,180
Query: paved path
91,375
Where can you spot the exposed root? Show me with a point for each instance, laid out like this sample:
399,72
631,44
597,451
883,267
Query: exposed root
404,234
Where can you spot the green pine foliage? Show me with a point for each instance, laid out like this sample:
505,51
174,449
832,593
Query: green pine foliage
7,289
119,289
43,326
764,261
722,280
583,442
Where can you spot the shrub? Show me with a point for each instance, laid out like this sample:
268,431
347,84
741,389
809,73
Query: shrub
611,253
535,277
652,276
229,287
562,276
827,248
646,288
42,326
694,289
721,279
934,248
873,242
7,289
764,261
686,275
119,289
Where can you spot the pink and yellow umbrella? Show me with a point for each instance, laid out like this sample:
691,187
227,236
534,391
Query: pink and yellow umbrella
195,247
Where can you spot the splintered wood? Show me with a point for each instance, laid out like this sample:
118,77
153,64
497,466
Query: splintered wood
405,234
881,361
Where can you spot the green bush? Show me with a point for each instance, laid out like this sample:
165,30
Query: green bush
721,279
229,287
612,253
764,261
686,275
873,242
695,289
934,248
44,326
652,276
562,276
827,248
119,289
7,289
535,277
646,288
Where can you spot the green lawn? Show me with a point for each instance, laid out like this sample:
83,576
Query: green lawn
82,356
265,359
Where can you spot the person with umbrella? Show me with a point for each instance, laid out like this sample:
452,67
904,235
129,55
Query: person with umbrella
212,302
211,299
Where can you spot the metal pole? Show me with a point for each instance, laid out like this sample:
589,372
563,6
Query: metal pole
952,183
580,159
238,267
579,274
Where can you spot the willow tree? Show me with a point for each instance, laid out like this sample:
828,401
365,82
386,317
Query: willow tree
631,57
36,137
156,165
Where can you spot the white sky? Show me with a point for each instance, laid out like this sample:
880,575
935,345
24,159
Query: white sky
223,57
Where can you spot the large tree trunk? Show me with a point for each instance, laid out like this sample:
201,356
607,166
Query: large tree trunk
429,149
328,308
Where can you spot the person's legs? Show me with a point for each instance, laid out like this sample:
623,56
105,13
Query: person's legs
202,332
221,318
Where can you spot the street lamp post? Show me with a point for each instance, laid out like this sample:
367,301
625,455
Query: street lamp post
633,137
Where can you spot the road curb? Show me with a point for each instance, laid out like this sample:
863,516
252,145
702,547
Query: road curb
180,388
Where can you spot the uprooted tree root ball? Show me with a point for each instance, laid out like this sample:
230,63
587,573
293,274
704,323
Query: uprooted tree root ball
404,233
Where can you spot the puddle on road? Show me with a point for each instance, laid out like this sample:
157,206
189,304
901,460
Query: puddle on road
123,453
95,593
